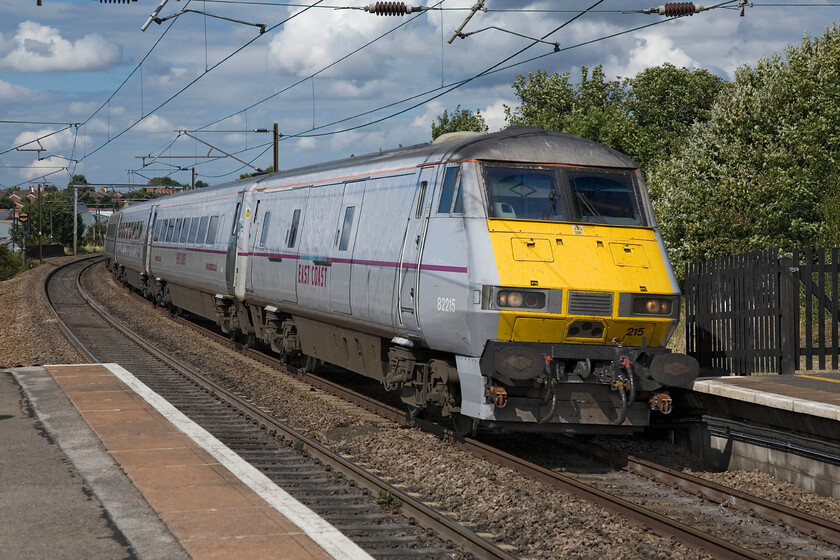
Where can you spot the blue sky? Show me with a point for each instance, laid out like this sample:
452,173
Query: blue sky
80,80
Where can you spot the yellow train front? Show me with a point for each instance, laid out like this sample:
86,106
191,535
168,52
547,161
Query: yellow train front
572,297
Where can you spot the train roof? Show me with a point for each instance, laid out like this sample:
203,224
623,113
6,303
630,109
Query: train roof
521,144
514,144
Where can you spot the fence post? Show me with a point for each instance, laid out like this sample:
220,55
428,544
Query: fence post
789,313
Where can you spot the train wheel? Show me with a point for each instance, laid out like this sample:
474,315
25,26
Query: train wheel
308,363
464,426
418,412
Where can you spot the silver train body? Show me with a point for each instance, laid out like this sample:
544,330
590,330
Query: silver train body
484,275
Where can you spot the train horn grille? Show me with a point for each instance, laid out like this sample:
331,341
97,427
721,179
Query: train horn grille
594,304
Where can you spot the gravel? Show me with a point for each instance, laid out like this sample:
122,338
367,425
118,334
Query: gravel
536,521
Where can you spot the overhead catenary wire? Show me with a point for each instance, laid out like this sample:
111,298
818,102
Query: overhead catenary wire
380,108
437,92
188,85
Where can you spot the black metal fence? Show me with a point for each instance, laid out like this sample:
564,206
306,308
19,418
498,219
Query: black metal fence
760,313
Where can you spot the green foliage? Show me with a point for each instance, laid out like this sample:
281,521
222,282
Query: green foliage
642,117
458,120
6,203
665,101
164,182
86,194
10,263
54,220
765,170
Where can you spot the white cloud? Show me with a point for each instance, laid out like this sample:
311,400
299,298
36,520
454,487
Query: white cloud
434,109
155,124
305,144
12,92
38,48
654,49
317,38
49,167
46,138
494,115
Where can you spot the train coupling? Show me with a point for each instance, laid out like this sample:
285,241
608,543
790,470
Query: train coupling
661,402
496,395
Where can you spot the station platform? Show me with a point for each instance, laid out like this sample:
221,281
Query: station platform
784,425
809,394
96,465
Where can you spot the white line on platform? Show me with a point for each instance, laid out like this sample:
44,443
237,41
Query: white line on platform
328,537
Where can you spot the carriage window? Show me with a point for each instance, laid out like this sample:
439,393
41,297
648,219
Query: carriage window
346,228
293,229
524,193
185,230
605,197
265,226
161,224
177,234
202,230
211,230
450,182
193,230
170,228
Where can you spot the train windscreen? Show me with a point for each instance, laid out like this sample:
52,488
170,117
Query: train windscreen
567,194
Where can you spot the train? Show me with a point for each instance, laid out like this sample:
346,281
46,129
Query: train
512,281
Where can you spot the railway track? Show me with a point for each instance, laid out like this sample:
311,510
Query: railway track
381,519
663,491
659,505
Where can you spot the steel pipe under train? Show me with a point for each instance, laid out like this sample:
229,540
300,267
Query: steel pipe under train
514,280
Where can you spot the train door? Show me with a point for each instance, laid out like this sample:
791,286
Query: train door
341,255
408,277
259,222
147,247
291,216
236,228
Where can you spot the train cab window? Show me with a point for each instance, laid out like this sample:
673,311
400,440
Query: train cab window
524,193
193,230
202,230
265,227
212,227
293,229
447,193
606,197
347,228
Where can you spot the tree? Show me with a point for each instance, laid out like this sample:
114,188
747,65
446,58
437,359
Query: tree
765,170
665,101
164,182
593,109
54,220
86,193
457,121
10,263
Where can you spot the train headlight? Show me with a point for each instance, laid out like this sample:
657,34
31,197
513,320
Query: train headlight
520,299
653,306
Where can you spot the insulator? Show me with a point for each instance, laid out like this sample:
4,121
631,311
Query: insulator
391,8
677,9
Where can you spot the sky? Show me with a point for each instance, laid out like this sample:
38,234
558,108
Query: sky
83,90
